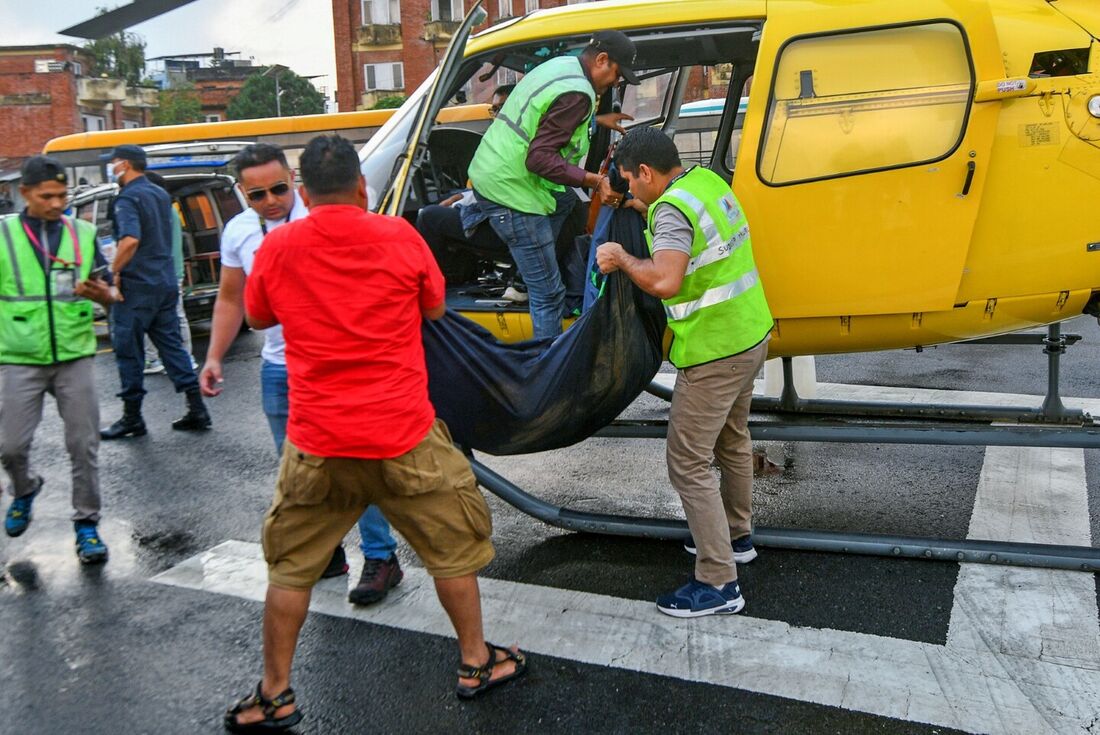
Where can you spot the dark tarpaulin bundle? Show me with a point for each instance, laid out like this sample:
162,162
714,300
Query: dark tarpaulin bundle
545,394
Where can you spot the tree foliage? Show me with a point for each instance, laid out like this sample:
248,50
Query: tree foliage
120,55
257,97
389,102
178,106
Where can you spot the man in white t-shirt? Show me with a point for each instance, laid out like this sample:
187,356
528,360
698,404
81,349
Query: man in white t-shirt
268,184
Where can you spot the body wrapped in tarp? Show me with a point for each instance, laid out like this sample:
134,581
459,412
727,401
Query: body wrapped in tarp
545,394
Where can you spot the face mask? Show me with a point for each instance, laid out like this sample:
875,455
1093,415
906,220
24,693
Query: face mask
112,175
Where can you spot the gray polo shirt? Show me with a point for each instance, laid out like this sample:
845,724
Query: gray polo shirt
671,230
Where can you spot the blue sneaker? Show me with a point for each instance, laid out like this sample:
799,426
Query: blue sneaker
19,513
743,551
696,599
89,546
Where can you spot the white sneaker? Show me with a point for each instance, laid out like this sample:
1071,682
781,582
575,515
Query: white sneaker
514,295
153,367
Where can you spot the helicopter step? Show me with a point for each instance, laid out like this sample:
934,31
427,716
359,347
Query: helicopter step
1052,411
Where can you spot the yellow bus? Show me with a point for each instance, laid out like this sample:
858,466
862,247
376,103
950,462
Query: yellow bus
80,152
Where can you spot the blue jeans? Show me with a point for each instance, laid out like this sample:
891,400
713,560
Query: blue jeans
149,311
531,239
375,539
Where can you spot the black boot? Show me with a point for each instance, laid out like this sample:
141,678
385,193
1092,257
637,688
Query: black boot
131,423
196,418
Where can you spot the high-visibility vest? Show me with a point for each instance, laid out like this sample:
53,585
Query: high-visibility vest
499,169
720,309
41,320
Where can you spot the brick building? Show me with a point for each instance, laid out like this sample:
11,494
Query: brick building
218,85
388,47
216,78
52,90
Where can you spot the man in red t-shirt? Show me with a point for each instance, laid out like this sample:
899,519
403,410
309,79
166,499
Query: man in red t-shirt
350,289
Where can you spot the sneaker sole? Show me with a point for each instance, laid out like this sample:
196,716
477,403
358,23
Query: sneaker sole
731,608
17,533
373,596
743,557
96,559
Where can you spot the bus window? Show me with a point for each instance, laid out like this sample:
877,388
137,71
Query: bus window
228,204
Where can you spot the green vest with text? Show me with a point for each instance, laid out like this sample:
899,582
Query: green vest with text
720,309
499,169
41,320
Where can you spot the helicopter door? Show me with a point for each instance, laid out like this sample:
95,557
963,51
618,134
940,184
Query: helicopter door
864,154
393,201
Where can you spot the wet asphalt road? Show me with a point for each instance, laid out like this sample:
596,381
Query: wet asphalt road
103,650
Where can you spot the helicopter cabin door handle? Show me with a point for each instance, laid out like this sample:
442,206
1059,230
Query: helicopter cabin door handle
970,168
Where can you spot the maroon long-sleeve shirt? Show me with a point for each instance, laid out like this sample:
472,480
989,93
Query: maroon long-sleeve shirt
555,129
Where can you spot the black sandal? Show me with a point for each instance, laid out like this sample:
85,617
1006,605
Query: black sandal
484,673
270,723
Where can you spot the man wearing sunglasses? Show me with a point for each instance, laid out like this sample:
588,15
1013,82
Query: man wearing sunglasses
264,177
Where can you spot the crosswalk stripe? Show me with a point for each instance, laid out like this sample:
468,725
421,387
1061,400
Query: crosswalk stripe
914,681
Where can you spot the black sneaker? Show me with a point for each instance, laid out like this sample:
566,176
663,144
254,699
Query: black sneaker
337,565
743,551
378,578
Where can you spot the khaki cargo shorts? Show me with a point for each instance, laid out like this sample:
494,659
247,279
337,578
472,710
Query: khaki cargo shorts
429,494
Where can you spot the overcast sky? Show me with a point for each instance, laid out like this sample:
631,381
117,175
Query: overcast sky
296,33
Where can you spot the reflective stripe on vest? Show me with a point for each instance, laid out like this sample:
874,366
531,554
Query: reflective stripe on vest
717,248
581,79
720,309
499,170
12,258
40,325
714,296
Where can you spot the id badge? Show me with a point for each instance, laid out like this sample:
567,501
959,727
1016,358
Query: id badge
63,283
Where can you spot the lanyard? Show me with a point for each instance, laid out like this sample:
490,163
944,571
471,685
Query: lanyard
263,223
53,258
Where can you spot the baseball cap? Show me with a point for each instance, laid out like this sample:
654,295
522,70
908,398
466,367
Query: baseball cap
37,169
620,49
126,153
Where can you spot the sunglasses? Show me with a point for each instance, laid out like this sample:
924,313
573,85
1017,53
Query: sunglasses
258,195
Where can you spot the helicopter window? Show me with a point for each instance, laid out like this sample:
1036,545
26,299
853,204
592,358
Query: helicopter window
1065,63
865,101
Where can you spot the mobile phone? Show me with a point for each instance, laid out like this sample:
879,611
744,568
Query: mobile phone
100,273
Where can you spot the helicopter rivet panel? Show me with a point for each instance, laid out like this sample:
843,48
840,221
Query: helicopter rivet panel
1083,111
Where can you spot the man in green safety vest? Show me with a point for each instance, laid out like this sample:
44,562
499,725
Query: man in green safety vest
701,267
531,157
49,269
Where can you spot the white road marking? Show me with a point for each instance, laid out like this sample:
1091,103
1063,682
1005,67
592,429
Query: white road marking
1023,649
914,681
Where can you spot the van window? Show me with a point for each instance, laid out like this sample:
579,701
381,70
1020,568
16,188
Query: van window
866,101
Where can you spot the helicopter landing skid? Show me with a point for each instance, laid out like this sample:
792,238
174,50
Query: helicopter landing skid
1045,556
1052,425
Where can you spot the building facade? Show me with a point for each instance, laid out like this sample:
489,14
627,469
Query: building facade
52,90
388,47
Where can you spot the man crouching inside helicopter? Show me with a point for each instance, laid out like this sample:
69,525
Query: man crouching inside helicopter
701,267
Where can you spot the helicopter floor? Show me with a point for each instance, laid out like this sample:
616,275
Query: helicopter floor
472,298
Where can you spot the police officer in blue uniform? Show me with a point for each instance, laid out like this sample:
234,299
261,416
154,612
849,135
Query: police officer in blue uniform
145,276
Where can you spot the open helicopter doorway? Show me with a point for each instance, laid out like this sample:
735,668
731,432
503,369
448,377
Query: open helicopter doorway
692,80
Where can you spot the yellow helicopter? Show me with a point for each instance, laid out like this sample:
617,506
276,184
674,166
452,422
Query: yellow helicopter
914,173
